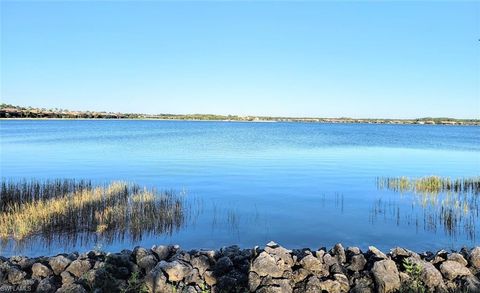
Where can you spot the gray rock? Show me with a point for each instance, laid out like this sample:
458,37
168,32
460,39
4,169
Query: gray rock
357,263
147,263
343,281
452,269
193,277
271,285
67,278
339,252
281,255
79,267
437,260
336,269
265,264
47,285
331,286
23,262
15,276
377,254
272,244
299,275
58,264
210,278
313,285
386,276
399,252
201,263
458,258
223,266
27,285
140,252
314,265
99,279
318,254
156,282
329,260
475,257
163,252
353,250
40,271
254,281
430,276
471,283
362,285
175,270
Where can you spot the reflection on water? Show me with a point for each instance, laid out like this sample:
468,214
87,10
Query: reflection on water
436,204
67,213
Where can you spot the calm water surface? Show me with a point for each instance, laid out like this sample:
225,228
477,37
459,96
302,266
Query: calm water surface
302,185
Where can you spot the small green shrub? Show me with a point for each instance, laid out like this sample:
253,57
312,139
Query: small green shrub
415,284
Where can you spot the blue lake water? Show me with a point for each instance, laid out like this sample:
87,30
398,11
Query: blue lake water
299,184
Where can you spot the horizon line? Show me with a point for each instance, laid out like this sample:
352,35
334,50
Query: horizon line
236,115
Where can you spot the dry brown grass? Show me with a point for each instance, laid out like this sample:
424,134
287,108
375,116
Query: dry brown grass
115,208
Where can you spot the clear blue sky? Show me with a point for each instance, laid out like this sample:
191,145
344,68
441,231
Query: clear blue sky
327,59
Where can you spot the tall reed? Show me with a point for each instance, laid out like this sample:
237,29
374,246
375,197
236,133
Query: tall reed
64,207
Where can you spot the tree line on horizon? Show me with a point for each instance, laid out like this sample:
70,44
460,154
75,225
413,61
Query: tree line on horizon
13,111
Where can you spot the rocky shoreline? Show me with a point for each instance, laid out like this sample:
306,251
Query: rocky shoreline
231,269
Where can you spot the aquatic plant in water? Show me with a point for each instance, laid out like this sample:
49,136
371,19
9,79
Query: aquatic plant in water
445,202
430,184
68,207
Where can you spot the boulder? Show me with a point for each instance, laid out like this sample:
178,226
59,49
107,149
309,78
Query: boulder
201,263
223,266
386,276
58,264
343,281
451,269
313,285
331,286
430,276
210,278
15,276
79,267
175,270
475,257
27,285
147,262
156,281
458,258
254,281
163,252
271,285
314,265
299,275
140,252
352,250
339,252
40,271
357,263
193,277
376,254
265,264
67,278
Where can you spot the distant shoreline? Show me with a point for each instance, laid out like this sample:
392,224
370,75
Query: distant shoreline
293,120
13,112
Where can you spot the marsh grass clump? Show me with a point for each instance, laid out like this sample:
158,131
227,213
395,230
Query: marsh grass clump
430,184
24,191
108,210
444,202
